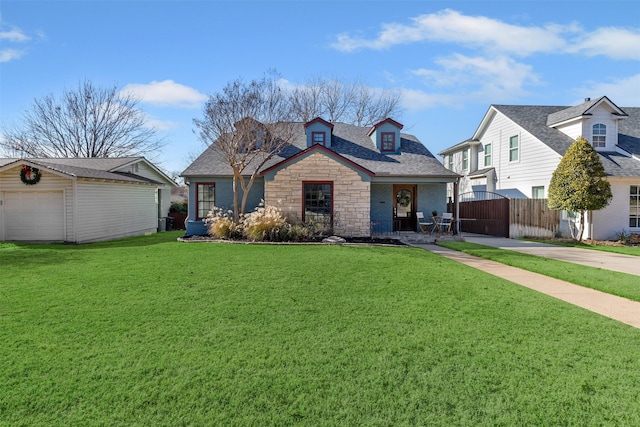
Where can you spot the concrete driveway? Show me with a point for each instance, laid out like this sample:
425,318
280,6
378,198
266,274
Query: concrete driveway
593,258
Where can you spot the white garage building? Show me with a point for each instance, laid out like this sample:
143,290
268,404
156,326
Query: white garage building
81,200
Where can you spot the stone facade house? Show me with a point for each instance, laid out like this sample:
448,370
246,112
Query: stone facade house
358,180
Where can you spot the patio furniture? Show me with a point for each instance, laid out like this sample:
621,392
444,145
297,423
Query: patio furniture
443,223
426,227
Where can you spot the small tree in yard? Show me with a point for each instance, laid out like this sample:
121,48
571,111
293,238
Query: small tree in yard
579,183
247,124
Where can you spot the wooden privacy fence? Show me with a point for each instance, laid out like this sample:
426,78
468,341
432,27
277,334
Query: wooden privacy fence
489,217
532,218
495,215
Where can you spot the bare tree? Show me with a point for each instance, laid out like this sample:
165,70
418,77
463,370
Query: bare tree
341,101
90,121
247,124
337,98
306,101
370,106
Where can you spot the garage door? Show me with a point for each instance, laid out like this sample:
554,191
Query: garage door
34,215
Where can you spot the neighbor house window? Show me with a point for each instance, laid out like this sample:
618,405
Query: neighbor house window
599,135
487,155
465,159
537,192
388,141
318,138
318,203
205,198
514,147
634,206
450,162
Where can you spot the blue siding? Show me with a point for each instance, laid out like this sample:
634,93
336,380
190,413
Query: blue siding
224,200
382,207
318,127
376,136
430,197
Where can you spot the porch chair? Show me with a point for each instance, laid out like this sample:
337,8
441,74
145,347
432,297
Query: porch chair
426,227
445,222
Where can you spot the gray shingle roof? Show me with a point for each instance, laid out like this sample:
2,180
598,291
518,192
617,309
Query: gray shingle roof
576,111
350,142
534,120
616,164
96,168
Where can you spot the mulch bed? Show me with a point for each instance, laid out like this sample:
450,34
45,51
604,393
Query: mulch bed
349,240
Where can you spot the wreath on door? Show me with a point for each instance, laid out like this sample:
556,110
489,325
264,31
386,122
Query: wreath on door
403,198
29,175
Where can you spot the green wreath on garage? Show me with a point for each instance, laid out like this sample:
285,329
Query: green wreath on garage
29,175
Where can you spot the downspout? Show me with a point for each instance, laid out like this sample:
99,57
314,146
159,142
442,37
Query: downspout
186,220
74,221
457,204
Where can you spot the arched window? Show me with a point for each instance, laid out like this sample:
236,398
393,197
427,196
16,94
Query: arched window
599,135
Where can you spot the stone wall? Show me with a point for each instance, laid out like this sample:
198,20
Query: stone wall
351,194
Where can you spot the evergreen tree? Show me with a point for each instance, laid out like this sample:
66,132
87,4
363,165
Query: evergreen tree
579,183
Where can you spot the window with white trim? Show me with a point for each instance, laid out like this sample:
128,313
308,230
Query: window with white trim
599,135
487,155
465,159
537,192
634,206
514,148
450,163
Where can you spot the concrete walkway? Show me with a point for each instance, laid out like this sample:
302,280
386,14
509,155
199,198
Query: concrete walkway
614,307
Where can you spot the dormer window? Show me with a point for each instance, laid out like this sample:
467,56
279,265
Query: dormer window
388,141
318,131
386,136
599,135
319,138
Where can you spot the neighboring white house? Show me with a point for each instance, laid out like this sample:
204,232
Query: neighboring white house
81,199
516,149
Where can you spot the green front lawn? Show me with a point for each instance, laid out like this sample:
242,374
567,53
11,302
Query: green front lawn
612,282
150,331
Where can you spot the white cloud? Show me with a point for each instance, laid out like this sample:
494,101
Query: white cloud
416,100
624,92
496,78
492,35
15,35
166,93
7,55
12,36
616,43
452,27
159,125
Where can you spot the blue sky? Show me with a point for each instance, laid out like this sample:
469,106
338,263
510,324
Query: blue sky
450,60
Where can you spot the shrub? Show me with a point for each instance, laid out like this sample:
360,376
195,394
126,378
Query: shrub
300,232
179,207
622,236
265,223
221,225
